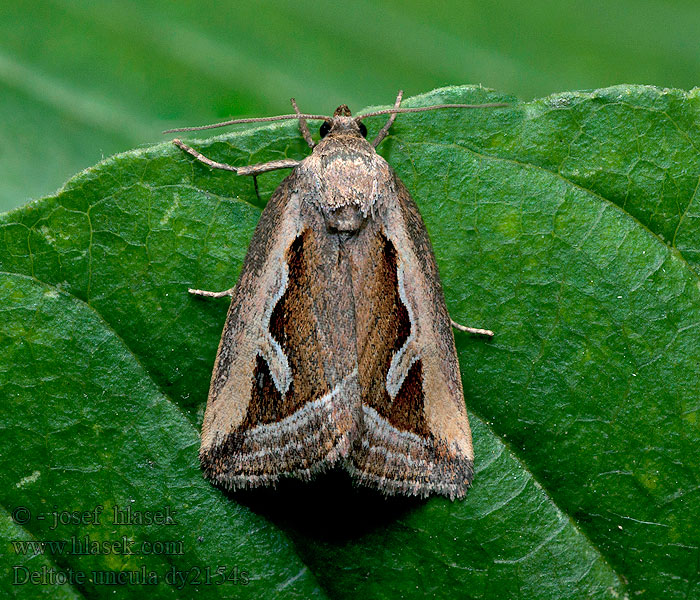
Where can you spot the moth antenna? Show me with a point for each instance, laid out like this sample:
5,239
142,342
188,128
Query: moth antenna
251,120
394,111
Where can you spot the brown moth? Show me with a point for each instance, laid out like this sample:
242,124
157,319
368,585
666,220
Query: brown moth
338,347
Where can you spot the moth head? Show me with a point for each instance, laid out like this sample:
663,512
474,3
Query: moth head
342,123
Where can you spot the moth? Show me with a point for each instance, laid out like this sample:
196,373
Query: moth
338,348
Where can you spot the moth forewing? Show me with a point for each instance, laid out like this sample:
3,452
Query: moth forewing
415,437
279,402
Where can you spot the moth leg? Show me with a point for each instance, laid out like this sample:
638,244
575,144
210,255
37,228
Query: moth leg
211,294
257,189
303,127
201,158
285,163
385,130
473,330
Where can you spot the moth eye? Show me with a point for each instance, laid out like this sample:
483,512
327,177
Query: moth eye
325,128
363,129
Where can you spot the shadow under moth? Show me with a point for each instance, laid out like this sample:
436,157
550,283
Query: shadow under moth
338,347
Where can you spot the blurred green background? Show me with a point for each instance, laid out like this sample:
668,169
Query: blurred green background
83,79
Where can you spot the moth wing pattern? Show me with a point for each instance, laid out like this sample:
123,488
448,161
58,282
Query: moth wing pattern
415,437
338,347
286,312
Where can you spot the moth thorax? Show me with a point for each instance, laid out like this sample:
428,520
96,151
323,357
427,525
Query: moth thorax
345,219
347,181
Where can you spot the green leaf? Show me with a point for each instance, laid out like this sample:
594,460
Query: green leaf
584,407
